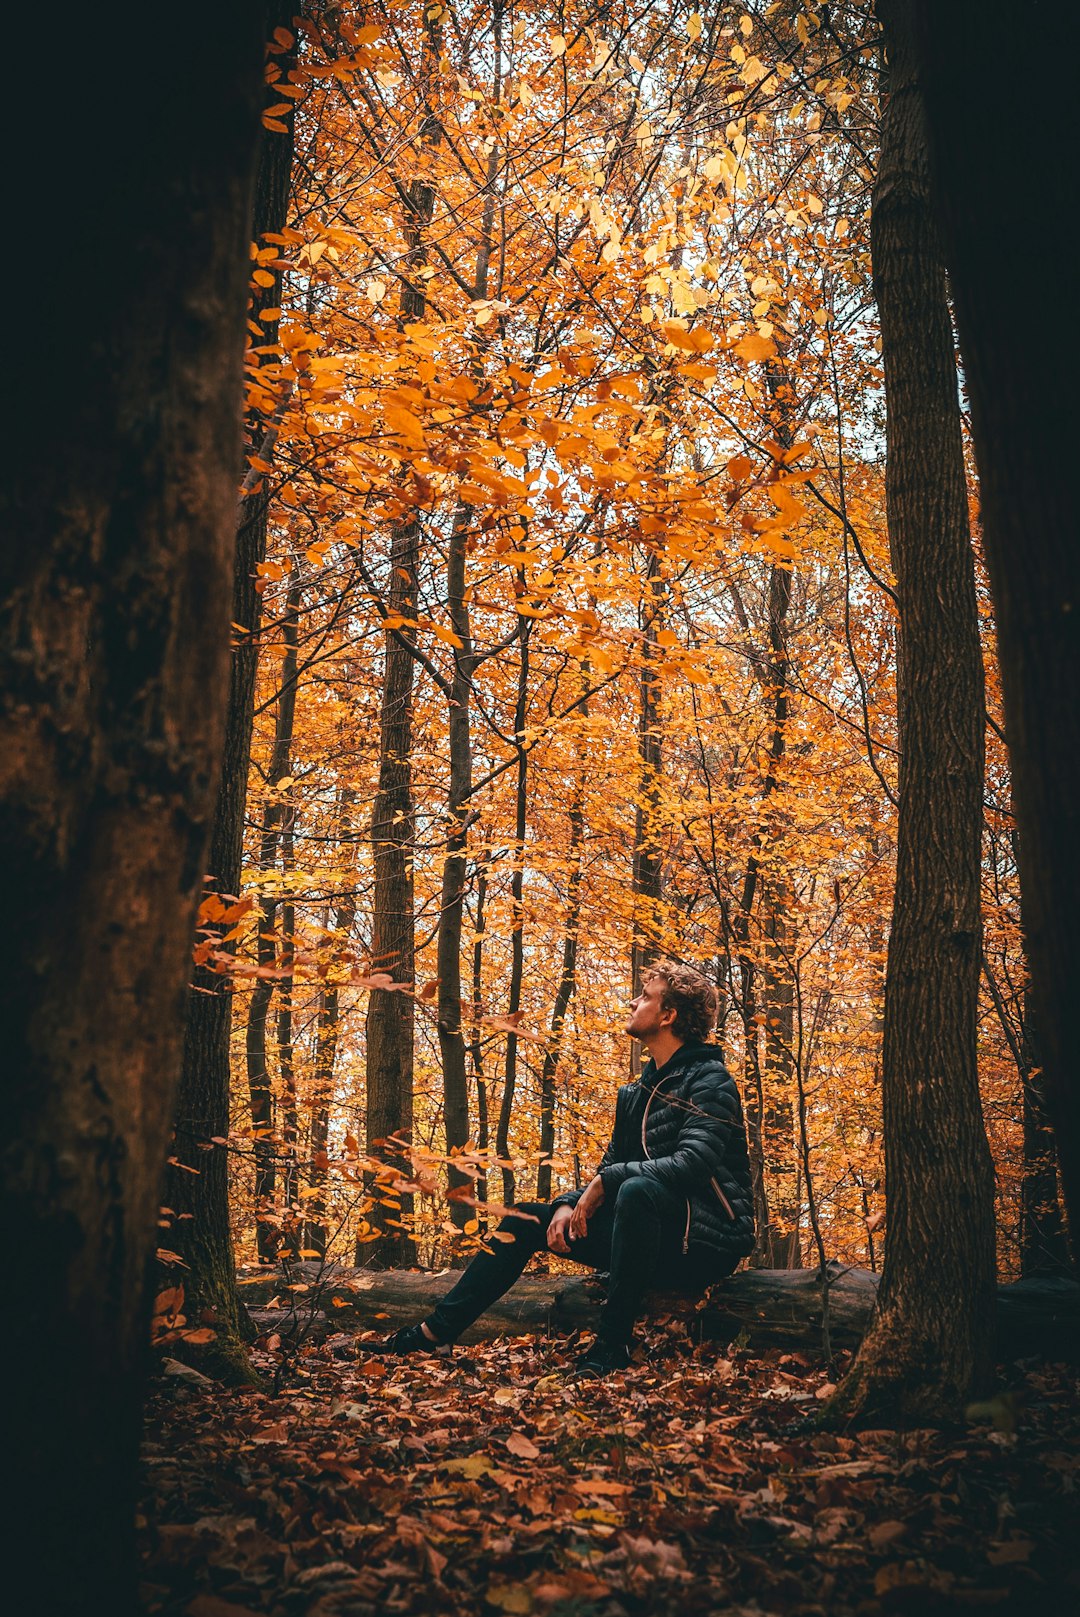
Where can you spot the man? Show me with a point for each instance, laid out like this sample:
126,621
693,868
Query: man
670,1205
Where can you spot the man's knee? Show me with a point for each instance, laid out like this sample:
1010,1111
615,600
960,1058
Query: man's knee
641,1195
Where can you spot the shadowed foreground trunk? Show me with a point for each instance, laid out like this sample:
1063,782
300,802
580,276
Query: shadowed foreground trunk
1000,203
115,586
928,1351
199,1200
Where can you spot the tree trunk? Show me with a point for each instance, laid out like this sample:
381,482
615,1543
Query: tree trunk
275,813
391,1015
780,1238
476,1031
647,873
115,581
929,1348
778,995
291,1213
563,995
1005,242
200,1231
452,899
517,888
1044,1249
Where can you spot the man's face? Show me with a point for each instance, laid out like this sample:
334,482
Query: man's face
647,1015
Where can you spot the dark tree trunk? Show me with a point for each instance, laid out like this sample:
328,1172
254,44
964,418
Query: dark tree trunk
1044,1249
1005,242
115,580
322,1093
647,872
199,1200
452,899
779,1241
563,995
476,1031
929,1348
517,937
391,1014
291,1213
276,813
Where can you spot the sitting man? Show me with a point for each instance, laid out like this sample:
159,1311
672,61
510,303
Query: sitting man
670,1206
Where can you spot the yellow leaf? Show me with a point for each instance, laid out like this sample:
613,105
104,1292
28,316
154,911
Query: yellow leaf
447,636
511,1597
755,346
558,45
472,1466
693,25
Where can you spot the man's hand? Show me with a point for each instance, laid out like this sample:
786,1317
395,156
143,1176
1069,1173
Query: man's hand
556,1235
590,1199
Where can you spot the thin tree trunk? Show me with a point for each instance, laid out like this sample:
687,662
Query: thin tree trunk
327,1036
647,874
476,1041
391,1015
197,1181
115,580
929,1348
780,1084
1005,244
291,1218
563,995
452,898
517,937
260,1086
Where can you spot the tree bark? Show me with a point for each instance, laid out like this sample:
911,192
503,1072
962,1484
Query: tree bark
391,1015
1005,243
275,815
563,995
452,898
322,1094
517,890
200,1231
647,870
771,1307
1044,1249
115,580
928,1350
476,1030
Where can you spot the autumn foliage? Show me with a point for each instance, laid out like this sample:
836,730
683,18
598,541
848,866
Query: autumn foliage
576,323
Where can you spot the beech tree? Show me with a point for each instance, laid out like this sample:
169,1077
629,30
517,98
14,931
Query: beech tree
196,1189
1000,216
929,1347
114,595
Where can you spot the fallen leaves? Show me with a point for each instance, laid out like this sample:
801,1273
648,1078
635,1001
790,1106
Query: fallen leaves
491,1483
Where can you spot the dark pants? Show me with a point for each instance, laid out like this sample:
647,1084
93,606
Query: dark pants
639,1239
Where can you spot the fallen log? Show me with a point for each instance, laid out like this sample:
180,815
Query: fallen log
768,1307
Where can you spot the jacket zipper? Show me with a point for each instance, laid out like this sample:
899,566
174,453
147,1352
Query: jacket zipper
645,1148
728,1209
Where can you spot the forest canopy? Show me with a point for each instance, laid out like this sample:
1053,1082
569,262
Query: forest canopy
568,408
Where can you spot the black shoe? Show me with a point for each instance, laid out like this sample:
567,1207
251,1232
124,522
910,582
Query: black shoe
409,1339
602,1359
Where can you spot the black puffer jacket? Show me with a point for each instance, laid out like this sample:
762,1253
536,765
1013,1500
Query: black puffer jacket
682,1124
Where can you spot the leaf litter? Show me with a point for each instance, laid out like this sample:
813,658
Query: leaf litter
693,1483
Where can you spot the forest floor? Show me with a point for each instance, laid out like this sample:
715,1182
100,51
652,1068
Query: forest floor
689,1484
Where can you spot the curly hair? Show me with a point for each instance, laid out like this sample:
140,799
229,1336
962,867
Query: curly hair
691,996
